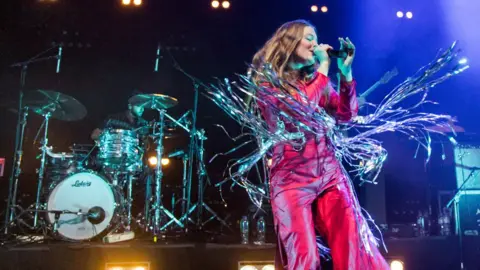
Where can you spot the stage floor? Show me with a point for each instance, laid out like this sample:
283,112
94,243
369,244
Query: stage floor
431,253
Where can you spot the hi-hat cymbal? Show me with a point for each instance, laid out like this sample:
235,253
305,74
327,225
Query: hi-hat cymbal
153,101
60,106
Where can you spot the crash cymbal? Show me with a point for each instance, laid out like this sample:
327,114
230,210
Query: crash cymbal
153,101
60,106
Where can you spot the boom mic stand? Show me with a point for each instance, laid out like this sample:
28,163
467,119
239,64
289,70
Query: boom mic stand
455,200
19,134
196,145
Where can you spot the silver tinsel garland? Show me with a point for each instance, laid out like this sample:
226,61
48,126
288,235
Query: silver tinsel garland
362,152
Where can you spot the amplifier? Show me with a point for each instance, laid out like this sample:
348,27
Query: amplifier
405,230
467,212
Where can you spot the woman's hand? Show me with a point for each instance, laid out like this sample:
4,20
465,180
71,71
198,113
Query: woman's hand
321,55
345,64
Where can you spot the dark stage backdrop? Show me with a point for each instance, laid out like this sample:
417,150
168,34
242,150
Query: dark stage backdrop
109,52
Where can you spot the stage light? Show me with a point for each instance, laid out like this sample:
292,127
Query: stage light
248,267
225,4
396,265
463,61
256,265
126,2
324,9
215,4
152,160
314,8
409,14
399,14
128,266
165,161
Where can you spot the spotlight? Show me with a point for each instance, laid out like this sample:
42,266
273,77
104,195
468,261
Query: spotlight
463,61
399,14
215,4
165,161
248,267
126,2
409,14
396,265
255,265
152,161
128,266
314,8
324,9
225,4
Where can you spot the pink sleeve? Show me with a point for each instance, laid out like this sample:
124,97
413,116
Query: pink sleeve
344,105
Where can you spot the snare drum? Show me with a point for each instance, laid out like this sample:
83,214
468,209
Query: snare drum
119,149
81,192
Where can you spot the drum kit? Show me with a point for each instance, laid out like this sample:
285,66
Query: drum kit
86,194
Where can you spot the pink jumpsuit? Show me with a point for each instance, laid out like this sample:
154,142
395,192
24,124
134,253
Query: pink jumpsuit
310,194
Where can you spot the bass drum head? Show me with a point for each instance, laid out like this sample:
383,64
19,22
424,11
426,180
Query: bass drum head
82,192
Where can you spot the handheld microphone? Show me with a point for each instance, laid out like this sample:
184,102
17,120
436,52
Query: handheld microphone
340,53
59,58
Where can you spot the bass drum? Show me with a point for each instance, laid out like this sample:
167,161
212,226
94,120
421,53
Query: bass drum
85,192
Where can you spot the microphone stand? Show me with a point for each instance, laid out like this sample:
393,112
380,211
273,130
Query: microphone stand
197,137
19,136
455,201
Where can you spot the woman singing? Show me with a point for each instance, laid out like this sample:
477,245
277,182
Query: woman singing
310,193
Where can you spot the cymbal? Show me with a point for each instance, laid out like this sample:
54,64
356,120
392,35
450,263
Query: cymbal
60,106
153,101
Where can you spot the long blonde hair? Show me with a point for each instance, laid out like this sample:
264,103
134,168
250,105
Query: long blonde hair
279,51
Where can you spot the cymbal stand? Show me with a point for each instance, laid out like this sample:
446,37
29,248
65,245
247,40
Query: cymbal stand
130,178
158,206
191,150
17,170
197,137
186,181
19,136
202,176
41,171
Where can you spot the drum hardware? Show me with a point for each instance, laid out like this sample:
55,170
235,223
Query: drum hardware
19,134
97,204
17,169
129,201
183,200
158,206
41,171
159,103
50,104
202,176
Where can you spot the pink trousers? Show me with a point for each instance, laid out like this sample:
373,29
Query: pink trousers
301,214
